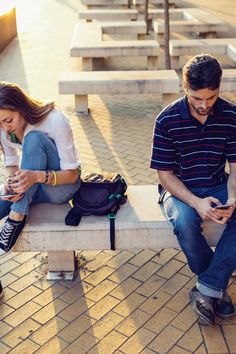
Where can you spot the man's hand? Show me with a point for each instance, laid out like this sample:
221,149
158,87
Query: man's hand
205,209
221,216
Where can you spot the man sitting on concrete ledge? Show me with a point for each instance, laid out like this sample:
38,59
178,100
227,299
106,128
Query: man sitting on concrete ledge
193,139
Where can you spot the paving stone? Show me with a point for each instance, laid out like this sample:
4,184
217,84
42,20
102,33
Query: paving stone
105,325
98,276
23,297
129,304
142,257
76,309
81,345
102,307
25,347
21,314
48,331
3,348
25,281
108,344
20,333
4,329
175,283
163,256
175,349
161,345
49,311
160,320
136,343
101,290
132,322
179,300
192,339
229,333
8,267
119,259
125,288
50,294
155,302
26,267
76,328
76,292
214,340
146,271
185,319
122,273
150,286
54,346
170,268
5,311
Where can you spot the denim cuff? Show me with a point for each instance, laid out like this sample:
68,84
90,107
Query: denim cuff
208,291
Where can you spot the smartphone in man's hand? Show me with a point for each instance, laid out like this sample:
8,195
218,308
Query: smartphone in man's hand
223,206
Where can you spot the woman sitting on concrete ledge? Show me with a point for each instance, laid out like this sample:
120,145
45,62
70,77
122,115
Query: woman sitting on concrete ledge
49,168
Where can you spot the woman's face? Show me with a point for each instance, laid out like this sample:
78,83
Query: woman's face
12,122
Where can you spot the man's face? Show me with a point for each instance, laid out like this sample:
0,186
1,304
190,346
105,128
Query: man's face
201,101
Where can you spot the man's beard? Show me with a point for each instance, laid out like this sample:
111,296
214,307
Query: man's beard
201,111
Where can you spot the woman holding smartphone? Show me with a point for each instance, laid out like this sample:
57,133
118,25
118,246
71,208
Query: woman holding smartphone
48,170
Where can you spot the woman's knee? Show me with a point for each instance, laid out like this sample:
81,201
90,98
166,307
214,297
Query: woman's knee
35,139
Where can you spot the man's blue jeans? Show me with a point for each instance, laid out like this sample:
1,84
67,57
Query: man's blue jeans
213,268
39,153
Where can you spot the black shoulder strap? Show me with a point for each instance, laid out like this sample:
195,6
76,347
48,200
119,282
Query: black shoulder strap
112,218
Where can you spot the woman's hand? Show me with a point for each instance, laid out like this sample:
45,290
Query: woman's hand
13,198
23,180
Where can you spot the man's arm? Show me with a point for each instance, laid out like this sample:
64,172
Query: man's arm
231,185
173,185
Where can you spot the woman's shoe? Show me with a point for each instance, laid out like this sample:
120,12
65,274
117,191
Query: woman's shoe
9,234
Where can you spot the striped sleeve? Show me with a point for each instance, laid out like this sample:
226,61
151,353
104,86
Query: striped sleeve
163,153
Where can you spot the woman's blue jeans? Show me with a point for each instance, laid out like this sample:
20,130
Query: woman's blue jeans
39,152
213,268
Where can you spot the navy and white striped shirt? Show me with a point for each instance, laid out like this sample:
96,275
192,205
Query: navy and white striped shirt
195,153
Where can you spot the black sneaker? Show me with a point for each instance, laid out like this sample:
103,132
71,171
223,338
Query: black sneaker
10,233
224,307
203,307
1,290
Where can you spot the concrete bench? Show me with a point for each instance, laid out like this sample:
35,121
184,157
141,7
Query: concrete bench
92,45
108,14
228,82
193,21
105,3
220,46
172,3
8,29
140,223
81,84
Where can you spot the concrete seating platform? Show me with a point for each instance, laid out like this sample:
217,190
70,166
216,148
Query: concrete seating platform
105,3
81,84
140,223
93,46
193,21
108,14
221,46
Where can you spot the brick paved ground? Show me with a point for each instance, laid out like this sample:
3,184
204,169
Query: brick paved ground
121,302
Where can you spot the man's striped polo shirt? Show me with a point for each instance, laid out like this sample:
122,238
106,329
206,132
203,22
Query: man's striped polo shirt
195,153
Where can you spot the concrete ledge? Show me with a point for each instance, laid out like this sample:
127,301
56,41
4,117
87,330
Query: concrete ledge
8,29
140,223
108,14
81,84
93,46
193,21
221,46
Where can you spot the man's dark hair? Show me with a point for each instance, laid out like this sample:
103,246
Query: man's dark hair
202,71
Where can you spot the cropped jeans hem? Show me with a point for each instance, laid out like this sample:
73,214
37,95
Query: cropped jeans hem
207,290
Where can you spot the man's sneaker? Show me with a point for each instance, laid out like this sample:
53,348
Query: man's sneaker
224,307
203,307
10,233
1,290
